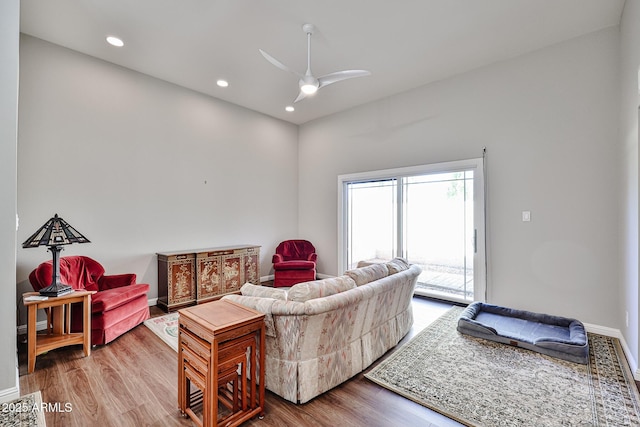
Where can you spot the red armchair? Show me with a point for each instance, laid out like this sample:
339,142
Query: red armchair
118,305
294,262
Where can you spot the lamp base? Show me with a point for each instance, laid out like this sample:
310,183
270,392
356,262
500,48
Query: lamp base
56,290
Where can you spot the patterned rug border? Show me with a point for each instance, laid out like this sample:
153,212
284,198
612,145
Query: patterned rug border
23,411
631,400
166,328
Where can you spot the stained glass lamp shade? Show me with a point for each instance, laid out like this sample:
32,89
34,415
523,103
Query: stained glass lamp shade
55,233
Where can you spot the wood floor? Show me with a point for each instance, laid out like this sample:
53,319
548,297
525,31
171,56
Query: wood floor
132,382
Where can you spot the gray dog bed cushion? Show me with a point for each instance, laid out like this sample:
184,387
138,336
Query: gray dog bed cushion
551,335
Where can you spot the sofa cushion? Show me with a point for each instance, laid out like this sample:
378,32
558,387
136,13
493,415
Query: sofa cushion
397,265
364,275
366,263
251,290
112,298
320,288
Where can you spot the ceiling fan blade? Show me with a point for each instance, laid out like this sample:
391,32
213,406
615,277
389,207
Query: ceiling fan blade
300,97
341,75
278,64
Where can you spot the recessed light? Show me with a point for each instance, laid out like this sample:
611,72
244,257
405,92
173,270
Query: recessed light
222,83
289,108
115,41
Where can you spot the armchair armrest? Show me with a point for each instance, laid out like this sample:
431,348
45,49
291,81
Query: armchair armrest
312,257
116,281
277,258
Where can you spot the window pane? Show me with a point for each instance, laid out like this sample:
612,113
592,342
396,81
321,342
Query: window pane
439,232
371,221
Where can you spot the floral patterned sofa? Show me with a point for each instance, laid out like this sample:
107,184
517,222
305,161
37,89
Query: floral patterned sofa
323,332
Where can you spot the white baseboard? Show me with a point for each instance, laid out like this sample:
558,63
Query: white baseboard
12,392
616,333
40,326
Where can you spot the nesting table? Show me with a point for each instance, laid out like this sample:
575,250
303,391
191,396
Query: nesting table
221,351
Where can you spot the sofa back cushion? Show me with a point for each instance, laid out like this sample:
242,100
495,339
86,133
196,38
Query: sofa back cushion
396,265
305,291
368,274
251,290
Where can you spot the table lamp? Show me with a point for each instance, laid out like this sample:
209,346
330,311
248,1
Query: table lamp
55,233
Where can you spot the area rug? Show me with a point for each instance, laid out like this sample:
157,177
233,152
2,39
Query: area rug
482,383
166,327
25,411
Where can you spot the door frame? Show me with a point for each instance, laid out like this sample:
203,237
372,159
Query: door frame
475,164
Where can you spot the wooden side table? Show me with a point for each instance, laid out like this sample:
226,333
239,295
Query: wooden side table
221,350
58,333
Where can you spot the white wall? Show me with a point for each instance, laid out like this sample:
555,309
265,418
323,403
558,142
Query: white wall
141,166
630,66
549,122
9,48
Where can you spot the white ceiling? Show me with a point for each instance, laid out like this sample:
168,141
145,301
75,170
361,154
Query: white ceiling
404,43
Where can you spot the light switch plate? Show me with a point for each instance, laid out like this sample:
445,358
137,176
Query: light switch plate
526,216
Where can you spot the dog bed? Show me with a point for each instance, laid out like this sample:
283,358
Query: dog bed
551,335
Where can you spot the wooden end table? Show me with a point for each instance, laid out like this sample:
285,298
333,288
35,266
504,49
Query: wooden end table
221,350
58,333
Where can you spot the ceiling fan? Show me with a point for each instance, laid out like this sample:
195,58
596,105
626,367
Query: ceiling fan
308,83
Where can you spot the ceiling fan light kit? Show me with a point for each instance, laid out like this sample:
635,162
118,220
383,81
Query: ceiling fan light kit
309,84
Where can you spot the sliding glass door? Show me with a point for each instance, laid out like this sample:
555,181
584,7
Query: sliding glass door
372,226
432,215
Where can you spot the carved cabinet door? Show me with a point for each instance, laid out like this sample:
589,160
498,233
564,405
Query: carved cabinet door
183,280
210,275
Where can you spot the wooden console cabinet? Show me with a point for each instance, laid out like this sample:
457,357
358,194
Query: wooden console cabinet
195,276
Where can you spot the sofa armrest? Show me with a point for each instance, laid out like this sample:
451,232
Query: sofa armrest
263,305
277,258
251,290
312,257
116,281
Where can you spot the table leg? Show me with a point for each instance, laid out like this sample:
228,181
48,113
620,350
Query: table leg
261,354
86,323
253,369
211,392
67,319
31,338
181,379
